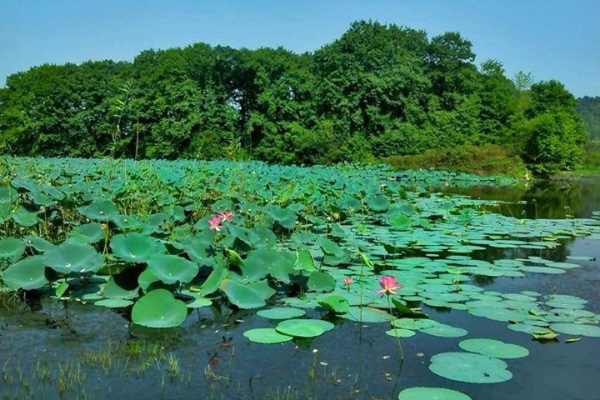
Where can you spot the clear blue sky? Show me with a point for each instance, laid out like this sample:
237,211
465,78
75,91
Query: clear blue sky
551,38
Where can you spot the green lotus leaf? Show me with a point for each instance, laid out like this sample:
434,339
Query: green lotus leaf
320,282
413,324
27,274
8,195
61,289
304,261
266,336
431,393
147,280
38,243
241,295
171,269
88,233
100,210
199,302
135,247
214,280
281,313
304,328
159,309
283,217
378,203
11,248
200,249
25,218
113,290
401,333
498,314
493,348
335,303
114,303
576,329
73,257
407,312
401,222
259,263
469,368
445,331
367,314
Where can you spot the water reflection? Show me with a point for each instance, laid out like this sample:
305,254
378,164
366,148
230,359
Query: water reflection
543,199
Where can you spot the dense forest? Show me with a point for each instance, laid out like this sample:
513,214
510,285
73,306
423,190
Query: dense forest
589,110
377,91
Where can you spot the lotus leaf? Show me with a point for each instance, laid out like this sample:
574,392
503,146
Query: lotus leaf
469,368
159,309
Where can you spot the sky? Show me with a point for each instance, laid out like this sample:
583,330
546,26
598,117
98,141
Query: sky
553,39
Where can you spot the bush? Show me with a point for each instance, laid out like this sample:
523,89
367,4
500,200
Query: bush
480,160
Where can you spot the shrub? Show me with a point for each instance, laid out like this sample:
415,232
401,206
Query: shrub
482,160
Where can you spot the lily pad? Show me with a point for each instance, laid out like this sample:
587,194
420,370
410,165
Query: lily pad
576,329
431,393
305,328
401,333
367,314
469,368
493,348
445,331
281,313
266,336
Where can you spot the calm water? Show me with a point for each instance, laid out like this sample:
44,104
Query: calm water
52,350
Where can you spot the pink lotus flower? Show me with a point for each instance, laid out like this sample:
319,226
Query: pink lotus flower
348,281
214,224
389,285
226,216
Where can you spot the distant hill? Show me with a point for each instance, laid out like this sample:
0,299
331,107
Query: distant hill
589,110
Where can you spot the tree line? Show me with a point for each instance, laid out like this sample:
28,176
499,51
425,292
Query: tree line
377,91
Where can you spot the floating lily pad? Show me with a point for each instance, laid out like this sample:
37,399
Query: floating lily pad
431,393
305,328
401,333
493,348
367,314
469,368
445,331
266,336
281,313
576,329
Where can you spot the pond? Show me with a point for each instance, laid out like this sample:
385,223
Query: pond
53,349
